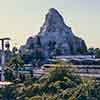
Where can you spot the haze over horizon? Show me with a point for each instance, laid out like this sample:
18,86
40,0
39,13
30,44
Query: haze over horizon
20,19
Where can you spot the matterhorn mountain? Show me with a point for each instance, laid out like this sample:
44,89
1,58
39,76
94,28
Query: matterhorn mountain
56,36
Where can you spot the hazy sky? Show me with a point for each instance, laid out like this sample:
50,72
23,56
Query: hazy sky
20,19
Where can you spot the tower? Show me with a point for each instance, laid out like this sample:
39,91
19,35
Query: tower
2,78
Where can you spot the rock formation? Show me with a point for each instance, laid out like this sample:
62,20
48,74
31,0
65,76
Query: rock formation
56,35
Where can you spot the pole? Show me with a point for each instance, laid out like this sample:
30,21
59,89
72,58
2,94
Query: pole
3,58
2,62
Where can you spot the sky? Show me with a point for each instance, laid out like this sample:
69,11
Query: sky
20,19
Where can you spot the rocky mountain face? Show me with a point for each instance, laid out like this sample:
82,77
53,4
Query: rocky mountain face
56,36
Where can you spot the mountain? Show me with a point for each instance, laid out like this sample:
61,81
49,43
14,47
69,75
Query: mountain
56,36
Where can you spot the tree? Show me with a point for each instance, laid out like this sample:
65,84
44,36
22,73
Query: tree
15,63
61,83
14,50
97,52
91,51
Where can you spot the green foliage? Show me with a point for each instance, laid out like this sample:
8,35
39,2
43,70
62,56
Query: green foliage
8,75
16,61
91,51
61,83
94,51
11,72
44,98
97,52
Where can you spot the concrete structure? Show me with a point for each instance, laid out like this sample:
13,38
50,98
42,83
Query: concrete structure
92,71
76,57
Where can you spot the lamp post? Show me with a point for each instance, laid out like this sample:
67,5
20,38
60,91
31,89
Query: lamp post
3,58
